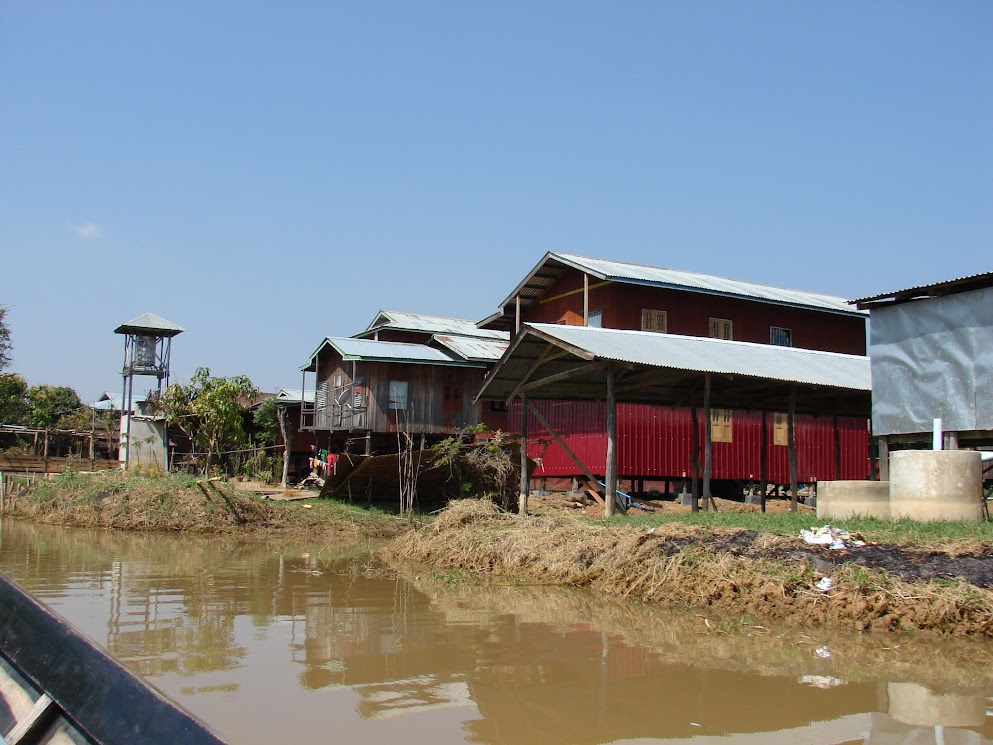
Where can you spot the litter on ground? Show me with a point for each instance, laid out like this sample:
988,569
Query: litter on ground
833,538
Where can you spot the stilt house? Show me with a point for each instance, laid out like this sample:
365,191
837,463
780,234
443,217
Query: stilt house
658,444
405,374
930,349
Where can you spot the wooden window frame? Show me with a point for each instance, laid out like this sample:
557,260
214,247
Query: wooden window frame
398,401
721,425
719,325
650,320
788,335
780,429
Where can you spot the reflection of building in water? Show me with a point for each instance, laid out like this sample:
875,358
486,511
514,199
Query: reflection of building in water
535,683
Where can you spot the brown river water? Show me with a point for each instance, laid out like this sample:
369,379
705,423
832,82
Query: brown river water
296,643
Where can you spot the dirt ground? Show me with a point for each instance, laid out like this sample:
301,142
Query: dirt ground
569,501
908,564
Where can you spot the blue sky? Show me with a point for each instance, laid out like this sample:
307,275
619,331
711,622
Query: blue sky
266,174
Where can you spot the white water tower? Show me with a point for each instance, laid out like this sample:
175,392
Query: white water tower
147,349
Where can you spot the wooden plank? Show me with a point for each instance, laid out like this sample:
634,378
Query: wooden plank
30,729
593,489
564,375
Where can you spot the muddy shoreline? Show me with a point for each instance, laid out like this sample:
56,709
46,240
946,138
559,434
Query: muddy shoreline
743,573
746,574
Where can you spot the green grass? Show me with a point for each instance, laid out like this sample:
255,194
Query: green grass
326,510
873,529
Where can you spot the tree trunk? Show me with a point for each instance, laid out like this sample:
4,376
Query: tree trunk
284,430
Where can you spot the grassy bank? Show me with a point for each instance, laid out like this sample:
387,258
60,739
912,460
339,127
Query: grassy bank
188,504
734,569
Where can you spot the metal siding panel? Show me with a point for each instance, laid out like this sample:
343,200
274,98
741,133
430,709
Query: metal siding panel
655,441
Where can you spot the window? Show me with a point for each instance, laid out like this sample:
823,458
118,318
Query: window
358,393
594,319
780,430
720,328
398,395
720,425
498,406
653,320
780,337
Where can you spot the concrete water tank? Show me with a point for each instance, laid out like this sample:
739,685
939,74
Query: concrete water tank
930,485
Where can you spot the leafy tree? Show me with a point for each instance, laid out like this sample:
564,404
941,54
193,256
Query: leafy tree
5,345
209,410
271,418
267,420
51,405
14,406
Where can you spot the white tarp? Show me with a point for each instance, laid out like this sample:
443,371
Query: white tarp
933,358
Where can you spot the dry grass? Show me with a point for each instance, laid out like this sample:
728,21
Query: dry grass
180,504
681,565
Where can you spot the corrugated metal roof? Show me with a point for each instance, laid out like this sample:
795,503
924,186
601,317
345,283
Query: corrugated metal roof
150,322
554,264
960,284
702,354
295,395
619,271
474,349
369,350
430,324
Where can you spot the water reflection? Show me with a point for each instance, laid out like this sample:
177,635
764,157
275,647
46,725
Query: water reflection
296,641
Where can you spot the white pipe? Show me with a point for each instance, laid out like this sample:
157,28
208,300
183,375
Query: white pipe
936,437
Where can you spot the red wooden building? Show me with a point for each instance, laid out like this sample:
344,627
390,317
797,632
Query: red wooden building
654,442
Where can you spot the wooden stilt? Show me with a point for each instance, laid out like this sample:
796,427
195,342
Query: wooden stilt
837,449
522,500
763,460
694,458
884,458
610,477
708,434
791,433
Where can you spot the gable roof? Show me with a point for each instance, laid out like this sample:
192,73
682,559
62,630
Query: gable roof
937,289
555,264
418,322
488,350
668,368
368,350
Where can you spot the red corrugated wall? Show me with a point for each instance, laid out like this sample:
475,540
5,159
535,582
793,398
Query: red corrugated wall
654,442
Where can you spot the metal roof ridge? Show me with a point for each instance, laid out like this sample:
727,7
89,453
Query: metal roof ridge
689,273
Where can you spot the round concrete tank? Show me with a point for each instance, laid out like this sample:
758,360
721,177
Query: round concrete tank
930,485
